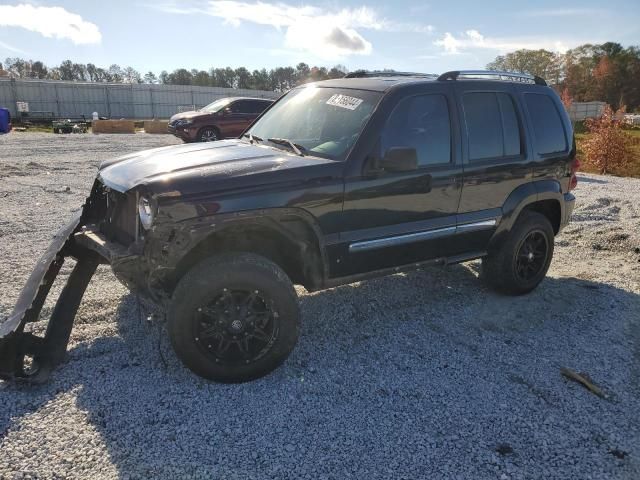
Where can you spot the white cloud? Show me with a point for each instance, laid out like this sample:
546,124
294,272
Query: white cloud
330,35
10,48
51,22
474,40
324,33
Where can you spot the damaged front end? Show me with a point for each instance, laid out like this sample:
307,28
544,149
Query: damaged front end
88,240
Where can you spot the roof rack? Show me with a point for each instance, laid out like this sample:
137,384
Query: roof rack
493,75
386,73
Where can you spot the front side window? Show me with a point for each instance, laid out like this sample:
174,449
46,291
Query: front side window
420,122
547,124
216,106
326,122
492,125
242,106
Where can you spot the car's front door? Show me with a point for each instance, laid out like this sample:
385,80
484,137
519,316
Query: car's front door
237,118
395,217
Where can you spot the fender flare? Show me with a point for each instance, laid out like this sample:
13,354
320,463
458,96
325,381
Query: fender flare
520,198
191,234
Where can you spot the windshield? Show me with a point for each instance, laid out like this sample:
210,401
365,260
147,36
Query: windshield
215,106
326,122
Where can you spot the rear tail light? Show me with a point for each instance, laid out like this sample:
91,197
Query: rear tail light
573,182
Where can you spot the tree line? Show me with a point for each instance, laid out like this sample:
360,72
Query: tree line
606,72
277,79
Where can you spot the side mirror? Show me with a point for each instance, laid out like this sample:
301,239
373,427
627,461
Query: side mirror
226,110
400,159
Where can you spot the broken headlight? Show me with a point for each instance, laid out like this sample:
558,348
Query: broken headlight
147,212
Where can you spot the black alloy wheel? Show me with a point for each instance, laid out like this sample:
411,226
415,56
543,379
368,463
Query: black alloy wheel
531,256
208,134
237,327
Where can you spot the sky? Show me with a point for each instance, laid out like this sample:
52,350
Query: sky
406,35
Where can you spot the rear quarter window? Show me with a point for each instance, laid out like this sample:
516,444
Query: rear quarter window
548,130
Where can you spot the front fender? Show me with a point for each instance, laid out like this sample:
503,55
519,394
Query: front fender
173,244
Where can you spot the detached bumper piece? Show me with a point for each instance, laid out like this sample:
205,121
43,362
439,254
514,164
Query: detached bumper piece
16,345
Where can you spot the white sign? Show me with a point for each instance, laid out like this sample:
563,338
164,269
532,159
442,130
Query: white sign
22,106
344,101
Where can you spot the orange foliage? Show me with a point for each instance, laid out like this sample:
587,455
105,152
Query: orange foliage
603,69
608,147
566,98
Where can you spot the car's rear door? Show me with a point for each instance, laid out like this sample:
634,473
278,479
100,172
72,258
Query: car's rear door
392,218
496,157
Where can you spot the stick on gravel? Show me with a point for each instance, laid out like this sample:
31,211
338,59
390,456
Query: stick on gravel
576,377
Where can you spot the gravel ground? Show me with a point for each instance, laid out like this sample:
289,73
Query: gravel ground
424,375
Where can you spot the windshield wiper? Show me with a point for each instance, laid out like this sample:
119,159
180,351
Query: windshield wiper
252,138
285,141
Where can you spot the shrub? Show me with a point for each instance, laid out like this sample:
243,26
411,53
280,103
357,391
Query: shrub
608,146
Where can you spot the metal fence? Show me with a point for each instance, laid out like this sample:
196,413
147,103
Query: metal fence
54,99
579,111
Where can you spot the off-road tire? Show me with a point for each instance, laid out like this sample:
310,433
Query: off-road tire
499,268
232,271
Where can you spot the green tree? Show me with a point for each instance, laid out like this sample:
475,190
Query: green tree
65,70
38,70
180,76
338,71
303,72
200,78
261,80
150,78
243,78
164,77
130,75
543,63
115,73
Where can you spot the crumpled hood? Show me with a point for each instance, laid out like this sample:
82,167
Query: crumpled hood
164,169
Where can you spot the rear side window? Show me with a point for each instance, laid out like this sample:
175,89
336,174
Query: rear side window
257,106
492,125
261,106
547,124
420,122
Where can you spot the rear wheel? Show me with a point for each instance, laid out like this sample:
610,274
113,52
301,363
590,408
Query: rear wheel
522,261
208,134
234,318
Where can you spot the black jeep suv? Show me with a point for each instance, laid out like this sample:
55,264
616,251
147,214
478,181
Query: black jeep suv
337,181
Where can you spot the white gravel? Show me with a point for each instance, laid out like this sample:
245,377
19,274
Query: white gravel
425,375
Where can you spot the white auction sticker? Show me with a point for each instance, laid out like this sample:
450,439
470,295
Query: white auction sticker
344,101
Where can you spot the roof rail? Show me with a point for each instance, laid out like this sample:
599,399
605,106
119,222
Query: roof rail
493,75
385,73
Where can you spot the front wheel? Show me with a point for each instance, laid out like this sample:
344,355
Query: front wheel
234,318
522,261
208,134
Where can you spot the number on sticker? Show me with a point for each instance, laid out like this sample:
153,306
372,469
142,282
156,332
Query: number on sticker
344,101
